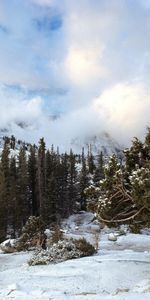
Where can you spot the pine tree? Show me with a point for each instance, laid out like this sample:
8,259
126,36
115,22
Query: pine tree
72,183
33,188
41,175
3,206
6,174
147,148
134,156
110,171
49,205
83,181
14,218
12,142
65,204
58,173
22,188
90,161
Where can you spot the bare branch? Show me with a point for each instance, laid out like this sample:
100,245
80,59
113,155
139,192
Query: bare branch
121,220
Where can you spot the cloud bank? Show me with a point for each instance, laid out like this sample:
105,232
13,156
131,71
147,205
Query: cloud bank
87,61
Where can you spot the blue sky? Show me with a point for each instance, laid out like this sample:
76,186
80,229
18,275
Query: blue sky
88,61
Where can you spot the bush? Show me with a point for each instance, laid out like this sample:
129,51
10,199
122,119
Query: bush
57,235
85,247
61,251
32,234
135,228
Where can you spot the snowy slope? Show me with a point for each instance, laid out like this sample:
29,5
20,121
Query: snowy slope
110,274
14,152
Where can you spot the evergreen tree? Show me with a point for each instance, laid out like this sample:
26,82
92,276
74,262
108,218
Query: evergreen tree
83,181
14,217
90,161
12,142
65,204
41,176
49,208
6,174
3,206
33,188
110,170
23,188
134,156
147,148
72,183
58,173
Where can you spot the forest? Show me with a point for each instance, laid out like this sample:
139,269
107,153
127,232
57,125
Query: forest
36,181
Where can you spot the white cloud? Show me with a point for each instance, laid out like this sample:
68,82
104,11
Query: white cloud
83,65
101,55
122,110
86,29
125,108
17,108
44,2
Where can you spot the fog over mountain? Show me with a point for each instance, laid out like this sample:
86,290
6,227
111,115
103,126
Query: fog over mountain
122,119
85,62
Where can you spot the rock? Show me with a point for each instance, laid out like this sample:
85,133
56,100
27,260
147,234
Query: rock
112,237
8,246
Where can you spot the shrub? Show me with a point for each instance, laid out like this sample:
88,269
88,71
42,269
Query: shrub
135,228
85,247
61,251
57,235
32,234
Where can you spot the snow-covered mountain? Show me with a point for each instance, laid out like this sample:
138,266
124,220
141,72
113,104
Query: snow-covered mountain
98,143
103,142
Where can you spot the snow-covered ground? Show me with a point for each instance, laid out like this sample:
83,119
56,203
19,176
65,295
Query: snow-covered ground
120,270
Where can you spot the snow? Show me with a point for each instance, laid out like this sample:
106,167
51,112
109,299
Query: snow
120,270
9,242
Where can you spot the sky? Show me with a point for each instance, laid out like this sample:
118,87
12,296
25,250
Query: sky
86,61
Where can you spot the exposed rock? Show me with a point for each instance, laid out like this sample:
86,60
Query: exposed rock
8,246
112,237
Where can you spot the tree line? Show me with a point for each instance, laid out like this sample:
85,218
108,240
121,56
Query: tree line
35,181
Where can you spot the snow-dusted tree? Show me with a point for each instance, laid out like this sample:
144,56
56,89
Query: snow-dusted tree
140,183
124,194
3,215
134,156
147,148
